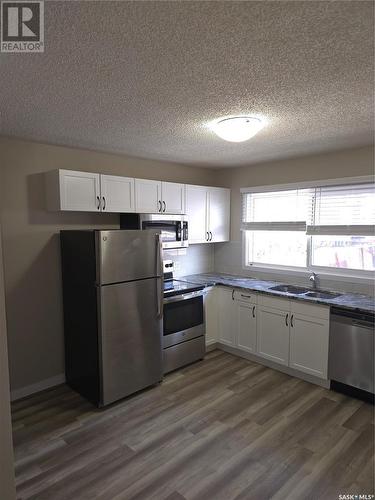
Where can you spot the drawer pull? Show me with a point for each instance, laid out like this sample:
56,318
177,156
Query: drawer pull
245,296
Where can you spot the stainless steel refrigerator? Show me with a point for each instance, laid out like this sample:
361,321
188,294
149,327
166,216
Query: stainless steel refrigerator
113,303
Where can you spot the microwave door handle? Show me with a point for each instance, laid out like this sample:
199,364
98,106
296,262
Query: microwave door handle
159,273
178,231
185,231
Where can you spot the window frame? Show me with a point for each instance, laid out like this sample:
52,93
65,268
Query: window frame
339,274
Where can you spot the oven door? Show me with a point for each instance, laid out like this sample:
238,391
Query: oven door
183,318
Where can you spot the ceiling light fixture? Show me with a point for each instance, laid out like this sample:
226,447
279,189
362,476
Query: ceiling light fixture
237,128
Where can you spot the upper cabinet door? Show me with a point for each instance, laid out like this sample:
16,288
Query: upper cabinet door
173,198
117,194
196,210
147,196
219,214
79,191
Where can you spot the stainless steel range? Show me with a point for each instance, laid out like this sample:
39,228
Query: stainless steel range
183,325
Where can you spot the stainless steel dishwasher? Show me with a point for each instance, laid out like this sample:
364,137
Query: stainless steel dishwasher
351,351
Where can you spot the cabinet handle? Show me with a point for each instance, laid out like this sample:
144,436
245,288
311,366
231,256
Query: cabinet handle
98,198
164,206
159,205
286,319
104,203
232,294
253,311
207,236
245,296
291,320
210,236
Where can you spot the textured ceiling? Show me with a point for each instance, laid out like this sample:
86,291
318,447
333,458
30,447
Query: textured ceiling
144,78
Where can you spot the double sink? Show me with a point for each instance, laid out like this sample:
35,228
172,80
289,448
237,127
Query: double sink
307,292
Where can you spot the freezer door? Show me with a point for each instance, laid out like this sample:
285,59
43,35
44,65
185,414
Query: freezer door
127,255
130,338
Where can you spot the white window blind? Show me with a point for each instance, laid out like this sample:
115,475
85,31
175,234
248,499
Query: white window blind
288,210
325,227
343,210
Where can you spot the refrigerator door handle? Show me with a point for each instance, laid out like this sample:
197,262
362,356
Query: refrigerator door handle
159,272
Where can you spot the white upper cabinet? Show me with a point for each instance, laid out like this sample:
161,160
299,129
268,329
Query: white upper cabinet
208,210
218,214
147,196
196,210
173,198
152,197
117,194
72,190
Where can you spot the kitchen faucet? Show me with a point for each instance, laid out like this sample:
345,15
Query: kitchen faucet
314,280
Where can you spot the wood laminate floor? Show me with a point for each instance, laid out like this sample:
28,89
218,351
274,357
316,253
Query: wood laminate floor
225,428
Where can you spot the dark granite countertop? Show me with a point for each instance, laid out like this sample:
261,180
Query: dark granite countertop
351,301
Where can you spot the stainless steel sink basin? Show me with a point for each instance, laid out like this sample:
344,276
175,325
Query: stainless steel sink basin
321,294
298,290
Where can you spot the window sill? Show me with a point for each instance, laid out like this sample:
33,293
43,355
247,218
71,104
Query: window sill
292,271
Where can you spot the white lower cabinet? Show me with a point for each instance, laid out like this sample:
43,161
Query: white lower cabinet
273,335
309,340
288,332
246,327
211,315
227,317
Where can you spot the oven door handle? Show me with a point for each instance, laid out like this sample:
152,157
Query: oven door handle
184,296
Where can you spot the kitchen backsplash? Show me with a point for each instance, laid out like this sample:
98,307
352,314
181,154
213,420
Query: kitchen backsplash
193,260
228,259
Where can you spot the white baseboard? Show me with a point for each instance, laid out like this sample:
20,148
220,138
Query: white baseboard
211,345
37,387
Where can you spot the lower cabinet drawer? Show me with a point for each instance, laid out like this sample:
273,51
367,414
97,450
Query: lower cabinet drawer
245,296
182,354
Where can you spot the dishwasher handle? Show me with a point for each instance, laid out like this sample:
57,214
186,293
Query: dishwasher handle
362,324
345,316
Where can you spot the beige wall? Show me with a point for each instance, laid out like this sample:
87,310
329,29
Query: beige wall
346,163
31,245
7,488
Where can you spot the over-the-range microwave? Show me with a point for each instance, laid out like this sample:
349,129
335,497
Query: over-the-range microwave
173,228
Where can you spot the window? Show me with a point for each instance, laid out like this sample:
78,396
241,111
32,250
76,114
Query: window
324,228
